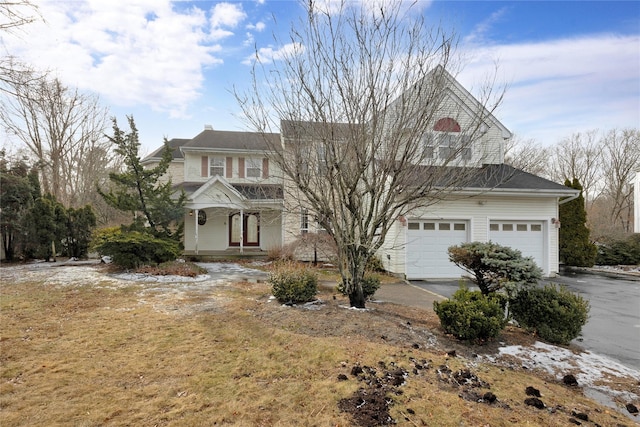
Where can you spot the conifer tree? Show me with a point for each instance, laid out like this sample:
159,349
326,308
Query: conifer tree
575,247
154,205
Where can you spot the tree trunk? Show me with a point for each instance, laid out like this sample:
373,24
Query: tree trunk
356,296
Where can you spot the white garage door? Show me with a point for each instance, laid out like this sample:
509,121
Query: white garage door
427,244
526,236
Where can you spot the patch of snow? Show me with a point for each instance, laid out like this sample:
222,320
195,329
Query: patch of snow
559,361
143,277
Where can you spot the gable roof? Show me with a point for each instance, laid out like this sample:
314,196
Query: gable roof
174,145
461,96
224,140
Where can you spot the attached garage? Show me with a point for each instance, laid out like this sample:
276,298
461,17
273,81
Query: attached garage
526,236
427,244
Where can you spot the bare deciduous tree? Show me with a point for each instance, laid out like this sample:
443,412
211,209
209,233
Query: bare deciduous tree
356,98
64,131
528,155
621,159
580,156
14,15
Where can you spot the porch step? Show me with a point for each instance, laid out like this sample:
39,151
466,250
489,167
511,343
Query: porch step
231,254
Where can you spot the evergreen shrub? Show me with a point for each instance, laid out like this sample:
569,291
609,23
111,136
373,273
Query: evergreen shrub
575,247
620,252
493,266
132,249
292,283
370,284
555,314
470,315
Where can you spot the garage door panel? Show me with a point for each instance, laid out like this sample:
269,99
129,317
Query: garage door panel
427,244
525,236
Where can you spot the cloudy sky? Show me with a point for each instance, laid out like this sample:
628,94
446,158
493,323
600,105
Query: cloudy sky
569,66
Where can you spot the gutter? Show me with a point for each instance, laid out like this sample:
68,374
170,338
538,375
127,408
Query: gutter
568,199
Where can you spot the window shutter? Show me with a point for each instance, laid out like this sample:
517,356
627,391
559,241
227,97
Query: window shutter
204,168
265,168
229,167
241,167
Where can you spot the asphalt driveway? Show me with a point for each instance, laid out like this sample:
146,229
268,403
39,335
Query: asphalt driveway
613,328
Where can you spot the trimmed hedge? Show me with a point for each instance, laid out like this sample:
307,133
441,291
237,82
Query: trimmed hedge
555,314
293,284
470,315
132,249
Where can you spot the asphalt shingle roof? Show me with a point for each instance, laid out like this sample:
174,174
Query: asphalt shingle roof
230,140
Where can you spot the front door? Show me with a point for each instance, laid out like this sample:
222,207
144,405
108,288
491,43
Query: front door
248,233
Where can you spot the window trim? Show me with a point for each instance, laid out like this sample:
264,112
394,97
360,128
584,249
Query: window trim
223,161
250,164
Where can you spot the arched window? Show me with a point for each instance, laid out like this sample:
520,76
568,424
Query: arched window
446,141
446,124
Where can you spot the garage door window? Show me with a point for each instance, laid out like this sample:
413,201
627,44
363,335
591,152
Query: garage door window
494,227
459,226
521,227
507,227
444,226
536,227
429,226
414,226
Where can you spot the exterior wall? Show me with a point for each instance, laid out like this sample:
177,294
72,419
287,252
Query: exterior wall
270,230
479,211
175,171
636,203
214,234
193,168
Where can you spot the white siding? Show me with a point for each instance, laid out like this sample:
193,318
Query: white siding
479,211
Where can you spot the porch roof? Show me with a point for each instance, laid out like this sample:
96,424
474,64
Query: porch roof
249,191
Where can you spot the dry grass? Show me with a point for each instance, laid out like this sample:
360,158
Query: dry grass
98,354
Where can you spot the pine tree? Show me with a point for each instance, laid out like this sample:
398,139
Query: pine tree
155,206
575,247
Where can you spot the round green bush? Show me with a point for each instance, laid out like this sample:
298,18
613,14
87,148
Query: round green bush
555,314
470,315
132,249
370,284
293,284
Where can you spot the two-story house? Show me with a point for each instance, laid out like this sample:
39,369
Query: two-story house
238,199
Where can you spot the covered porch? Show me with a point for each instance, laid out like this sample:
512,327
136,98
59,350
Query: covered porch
223,220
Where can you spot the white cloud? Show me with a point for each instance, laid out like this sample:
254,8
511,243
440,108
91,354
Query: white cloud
227,15
479,32
138,52
558,87
258,26
267,55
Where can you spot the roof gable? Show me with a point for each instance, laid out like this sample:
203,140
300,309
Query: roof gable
463,98
218,190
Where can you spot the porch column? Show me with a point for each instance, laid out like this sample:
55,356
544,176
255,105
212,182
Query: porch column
195,218
241,231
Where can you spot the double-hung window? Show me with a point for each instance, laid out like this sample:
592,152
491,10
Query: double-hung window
254,168
216,166
304,221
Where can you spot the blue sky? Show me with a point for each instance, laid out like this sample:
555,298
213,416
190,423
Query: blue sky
569,66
